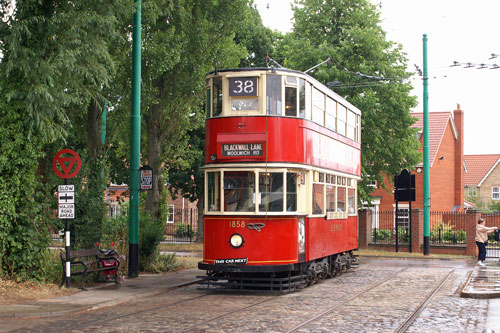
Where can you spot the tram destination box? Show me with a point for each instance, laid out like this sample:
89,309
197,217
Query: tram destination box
241,149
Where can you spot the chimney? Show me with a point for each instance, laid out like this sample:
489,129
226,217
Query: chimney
458,117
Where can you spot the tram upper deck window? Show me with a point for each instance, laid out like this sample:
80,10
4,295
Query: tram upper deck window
351,125
302,98
331,114
341,119
271,191
318,112
216,96
208,99
213,191
291,96
273,95
239,191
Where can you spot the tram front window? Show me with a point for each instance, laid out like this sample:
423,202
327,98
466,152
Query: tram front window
271,191
213,191
239,191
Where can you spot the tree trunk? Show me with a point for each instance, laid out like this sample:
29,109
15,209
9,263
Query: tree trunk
95,145
153,196
200,207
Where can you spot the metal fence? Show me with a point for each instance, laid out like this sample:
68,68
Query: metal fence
493,247
446,228
182,226
384,227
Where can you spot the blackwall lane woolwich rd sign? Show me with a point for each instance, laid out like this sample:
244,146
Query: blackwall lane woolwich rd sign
241,149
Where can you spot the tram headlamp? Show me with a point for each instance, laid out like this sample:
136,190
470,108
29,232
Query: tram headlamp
213,157
236,240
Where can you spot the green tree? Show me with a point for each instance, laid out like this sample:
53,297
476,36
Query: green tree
371,72
185,176
55,62
182,41
258,40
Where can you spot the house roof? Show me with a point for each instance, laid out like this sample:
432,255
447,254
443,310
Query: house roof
478,167
437,127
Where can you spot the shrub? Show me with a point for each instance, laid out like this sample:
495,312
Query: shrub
162,263
150,236
382,235
183,231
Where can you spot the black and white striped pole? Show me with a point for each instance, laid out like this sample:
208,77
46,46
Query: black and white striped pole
70,166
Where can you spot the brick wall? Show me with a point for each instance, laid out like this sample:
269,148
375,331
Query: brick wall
446,174
493,179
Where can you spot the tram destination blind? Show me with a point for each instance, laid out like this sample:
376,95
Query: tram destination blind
243,86
242,149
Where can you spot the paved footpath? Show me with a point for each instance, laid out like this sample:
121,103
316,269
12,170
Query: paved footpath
101,296
152,284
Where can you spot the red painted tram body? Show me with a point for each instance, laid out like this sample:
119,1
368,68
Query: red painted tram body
282,162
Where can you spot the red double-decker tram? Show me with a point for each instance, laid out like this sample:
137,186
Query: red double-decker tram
282,162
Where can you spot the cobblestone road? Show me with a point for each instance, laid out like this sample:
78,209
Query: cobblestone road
376,297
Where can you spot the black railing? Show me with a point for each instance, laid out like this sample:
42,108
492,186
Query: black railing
182,226
384,228
446,228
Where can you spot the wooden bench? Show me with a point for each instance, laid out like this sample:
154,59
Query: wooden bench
88,261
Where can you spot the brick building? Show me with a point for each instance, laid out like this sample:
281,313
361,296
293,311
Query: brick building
482,179
446,161
117,194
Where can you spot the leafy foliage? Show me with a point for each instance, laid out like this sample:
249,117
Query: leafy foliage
23,229
183,40
349,33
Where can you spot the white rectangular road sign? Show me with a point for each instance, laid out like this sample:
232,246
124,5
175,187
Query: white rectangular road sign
66,197
66,211
66,188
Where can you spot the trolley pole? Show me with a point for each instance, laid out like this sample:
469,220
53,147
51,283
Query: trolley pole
427,194
135,145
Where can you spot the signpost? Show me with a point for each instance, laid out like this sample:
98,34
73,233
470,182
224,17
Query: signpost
404,190
146,177
66,167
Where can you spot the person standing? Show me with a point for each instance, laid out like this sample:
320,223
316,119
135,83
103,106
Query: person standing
482,232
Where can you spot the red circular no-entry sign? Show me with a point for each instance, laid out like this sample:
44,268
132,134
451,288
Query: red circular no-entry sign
66,159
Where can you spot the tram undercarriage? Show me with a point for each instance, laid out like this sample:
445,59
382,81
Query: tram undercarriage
283,278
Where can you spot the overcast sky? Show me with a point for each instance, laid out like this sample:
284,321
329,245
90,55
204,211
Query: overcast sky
458,30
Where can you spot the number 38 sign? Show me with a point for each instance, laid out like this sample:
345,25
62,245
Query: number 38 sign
243,86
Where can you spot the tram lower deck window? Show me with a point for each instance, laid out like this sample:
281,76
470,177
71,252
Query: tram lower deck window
239,191
318,190
271,191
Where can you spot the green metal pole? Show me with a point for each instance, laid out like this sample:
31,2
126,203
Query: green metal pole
135,145
427,195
